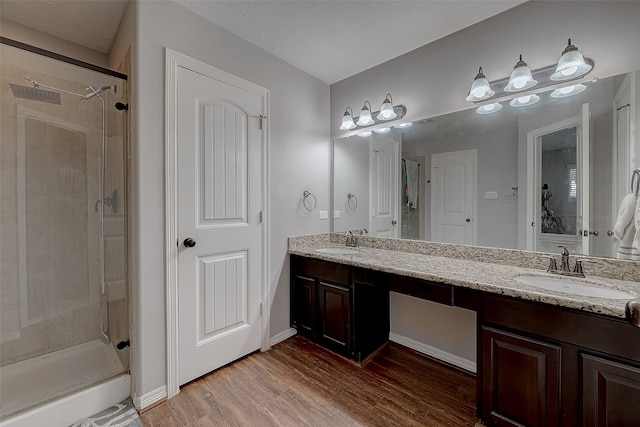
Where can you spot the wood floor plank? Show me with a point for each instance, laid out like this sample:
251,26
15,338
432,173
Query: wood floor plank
298,383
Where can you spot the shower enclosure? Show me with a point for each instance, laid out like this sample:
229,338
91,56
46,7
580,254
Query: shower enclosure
63,281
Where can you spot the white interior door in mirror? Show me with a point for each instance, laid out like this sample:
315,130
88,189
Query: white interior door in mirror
385,185
453,197
558,185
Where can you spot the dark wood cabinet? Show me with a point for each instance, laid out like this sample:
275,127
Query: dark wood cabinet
303,305
521,379
541,365
538,364
334,320
610,393
342,308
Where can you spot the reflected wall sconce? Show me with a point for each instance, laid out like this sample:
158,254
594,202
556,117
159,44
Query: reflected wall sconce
524,101
387,112
571,66
567,91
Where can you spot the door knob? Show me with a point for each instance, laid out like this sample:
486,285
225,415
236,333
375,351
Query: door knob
394,222
189,242
468,219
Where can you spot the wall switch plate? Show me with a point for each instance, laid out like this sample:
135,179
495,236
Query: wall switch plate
323,214
491,195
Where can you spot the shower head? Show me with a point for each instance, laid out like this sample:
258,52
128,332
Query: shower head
35,93
95,91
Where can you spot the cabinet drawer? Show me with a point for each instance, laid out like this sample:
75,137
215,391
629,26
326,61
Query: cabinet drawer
329,271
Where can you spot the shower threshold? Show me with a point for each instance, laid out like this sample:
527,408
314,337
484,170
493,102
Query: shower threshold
33,381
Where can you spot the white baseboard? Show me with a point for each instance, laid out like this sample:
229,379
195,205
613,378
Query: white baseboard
287,333
150,399
434,352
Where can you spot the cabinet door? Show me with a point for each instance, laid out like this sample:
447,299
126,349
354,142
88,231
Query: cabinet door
370,318
303,305
335,316
520,380
610,393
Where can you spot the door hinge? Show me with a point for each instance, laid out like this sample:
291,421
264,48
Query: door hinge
260,309
260,217
262,117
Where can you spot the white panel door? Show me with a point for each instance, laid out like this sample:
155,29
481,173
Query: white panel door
453,181
385,186
219,196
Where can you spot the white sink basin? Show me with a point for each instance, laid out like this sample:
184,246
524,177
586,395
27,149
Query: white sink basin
338,251
570,286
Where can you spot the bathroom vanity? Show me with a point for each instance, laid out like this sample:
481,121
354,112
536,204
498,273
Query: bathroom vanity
544,358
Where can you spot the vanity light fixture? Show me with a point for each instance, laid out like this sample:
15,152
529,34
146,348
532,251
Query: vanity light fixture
347,120
386,111
570,65
480,88
365,134
521,78
524,101
383,130
365,115
489,108
564,92
404,125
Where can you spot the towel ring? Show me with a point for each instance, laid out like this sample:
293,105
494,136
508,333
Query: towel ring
306,203
352,201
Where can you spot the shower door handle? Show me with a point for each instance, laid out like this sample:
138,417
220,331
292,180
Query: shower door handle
189,242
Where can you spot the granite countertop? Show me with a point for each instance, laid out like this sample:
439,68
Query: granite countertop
484,276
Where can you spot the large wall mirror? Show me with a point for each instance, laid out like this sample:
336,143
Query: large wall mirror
534,177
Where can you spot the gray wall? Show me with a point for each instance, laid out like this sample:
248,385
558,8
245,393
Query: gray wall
351,175
434,80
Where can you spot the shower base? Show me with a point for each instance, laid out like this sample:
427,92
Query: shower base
33,381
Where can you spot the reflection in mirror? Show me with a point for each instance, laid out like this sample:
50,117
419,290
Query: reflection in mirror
559,175
469,178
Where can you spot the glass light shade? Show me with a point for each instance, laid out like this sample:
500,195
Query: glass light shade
386,111
365,117
524,101
365,134
489,108
383,130
347,122
564,92
570,65
480,88
521,78
404,125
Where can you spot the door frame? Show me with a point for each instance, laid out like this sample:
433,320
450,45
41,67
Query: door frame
534,159
173,61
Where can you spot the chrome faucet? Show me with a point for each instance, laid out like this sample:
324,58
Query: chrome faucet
564,265
351,240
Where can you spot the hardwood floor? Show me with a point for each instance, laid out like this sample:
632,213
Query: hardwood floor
298,383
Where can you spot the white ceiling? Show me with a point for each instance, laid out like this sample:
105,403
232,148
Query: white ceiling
89,23
331,40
